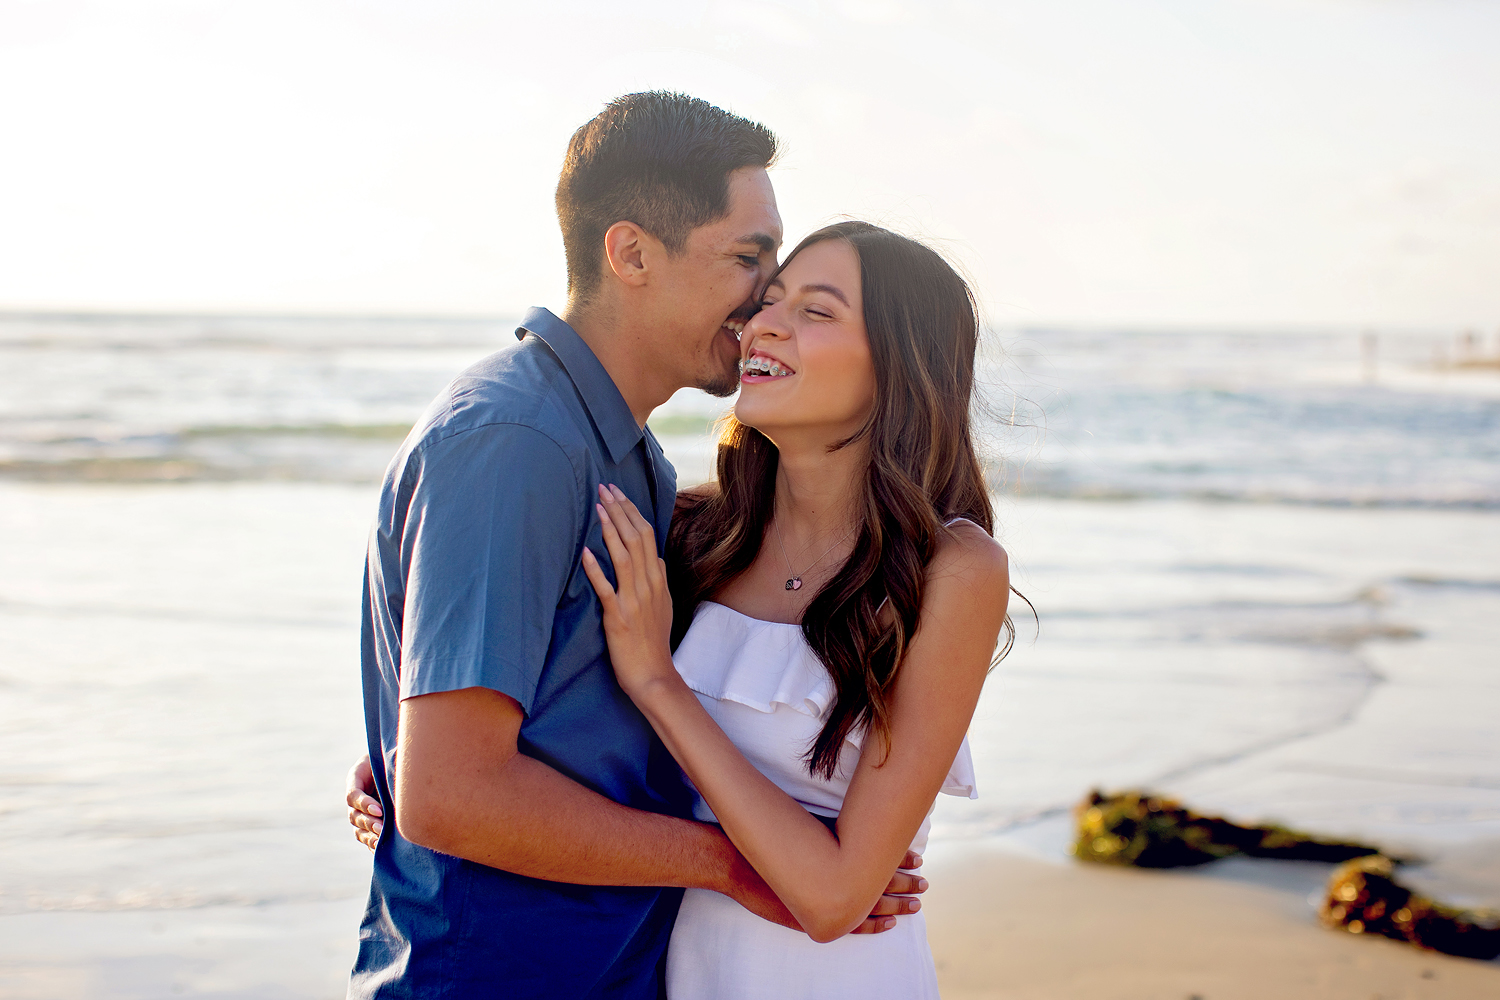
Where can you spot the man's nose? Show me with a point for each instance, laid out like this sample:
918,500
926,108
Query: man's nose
767,270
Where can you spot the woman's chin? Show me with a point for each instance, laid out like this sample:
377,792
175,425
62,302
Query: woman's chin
762,418
789,423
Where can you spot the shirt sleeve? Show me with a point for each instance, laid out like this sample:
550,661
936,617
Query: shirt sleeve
492,537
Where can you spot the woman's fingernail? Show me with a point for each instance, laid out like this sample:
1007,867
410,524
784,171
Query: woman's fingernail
917,861
375,810
913,905
921,885
603,514
375,828
888,923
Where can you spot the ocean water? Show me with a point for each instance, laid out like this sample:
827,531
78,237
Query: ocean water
1267,574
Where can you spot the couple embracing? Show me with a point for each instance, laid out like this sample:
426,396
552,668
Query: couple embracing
626,739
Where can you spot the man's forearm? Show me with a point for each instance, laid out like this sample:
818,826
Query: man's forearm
462,788
537,822
532,820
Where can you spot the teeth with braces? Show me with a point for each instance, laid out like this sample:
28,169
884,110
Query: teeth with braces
763,366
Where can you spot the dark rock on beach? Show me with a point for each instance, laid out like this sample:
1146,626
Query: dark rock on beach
1149,831
1364,898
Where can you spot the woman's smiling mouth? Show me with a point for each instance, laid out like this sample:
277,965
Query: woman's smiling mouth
760,368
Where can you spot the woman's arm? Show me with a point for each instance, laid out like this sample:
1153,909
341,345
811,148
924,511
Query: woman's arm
829,881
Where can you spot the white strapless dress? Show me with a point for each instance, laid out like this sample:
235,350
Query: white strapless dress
769,692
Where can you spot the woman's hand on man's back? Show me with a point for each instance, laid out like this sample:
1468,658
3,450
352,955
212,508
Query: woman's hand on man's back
365,814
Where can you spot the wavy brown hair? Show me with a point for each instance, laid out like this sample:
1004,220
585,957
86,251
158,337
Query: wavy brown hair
923,472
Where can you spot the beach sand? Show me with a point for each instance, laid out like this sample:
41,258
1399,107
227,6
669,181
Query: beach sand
1006,925
1001,924
178,705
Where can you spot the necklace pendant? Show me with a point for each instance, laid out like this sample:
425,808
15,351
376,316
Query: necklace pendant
795,583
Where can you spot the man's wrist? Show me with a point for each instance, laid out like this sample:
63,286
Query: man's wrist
724,869
734,877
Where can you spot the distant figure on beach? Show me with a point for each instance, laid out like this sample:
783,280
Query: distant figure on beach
834,600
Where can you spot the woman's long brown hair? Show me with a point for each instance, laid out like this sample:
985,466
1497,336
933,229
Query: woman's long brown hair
923,472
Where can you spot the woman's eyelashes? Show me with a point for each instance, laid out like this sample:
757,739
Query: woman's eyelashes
815,311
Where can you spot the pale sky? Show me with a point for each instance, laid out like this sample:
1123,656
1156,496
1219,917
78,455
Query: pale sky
1225,162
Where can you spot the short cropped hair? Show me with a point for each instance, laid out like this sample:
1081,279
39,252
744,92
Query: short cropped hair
659,159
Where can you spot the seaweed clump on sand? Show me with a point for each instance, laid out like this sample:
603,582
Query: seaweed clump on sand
1149,831
1363,898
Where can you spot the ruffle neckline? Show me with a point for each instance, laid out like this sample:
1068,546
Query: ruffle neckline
729,656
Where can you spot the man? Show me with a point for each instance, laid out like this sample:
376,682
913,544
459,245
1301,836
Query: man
540,839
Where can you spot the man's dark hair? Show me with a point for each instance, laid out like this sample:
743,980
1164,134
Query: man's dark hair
660,160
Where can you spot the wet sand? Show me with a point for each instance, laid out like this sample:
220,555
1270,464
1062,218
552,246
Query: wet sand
276,951
1004,925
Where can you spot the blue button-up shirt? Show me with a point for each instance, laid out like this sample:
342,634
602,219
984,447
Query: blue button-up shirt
473,579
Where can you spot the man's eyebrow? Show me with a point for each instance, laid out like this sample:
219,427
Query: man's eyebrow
766,242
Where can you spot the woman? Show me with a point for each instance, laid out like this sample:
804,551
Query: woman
845,600
837,601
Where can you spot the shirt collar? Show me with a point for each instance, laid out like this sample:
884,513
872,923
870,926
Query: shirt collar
612,418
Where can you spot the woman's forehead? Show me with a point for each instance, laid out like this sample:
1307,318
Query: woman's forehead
829,263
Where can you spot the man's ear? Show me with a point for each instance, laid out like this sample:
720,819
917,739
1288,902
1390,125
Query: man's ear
627,250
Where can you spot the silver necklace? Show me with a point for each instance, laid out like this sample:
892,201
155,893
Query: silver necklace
794,582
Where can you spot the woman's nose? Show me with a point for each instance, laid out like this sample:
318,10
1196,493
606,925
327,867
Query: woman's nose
766,323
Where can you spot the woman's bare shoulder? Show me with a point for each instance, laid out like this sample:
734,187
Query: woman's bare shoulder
969,559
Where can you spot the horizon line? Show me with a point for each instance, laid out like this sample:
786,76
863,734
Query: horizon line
1031,326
